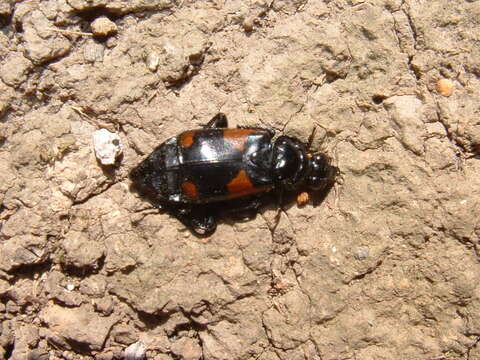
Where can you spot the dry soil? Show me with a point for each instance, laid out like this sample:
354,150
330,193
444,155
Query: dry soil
387,267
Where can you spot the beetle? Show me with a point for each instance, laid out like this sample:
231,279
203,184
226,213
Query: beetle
198,172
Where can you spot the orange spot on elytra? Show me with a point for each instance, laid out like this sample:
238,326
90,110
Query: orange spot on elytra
241,185
190,190
186,139
237,137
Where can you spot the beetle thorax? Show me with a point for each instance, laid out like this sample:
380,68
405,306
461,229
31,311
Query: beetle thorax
289,161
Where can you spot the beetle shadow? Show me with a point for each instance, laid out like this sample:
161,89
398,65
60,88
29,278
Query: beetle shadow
319,197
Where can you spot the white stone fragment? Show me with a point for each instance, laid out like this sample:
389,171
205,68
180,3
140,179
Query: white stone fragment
107,146
135,351
152,61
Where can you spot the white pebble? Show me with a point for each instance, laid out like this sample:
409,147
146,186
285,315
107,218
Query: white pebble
107,146
152,61
135,351
70,287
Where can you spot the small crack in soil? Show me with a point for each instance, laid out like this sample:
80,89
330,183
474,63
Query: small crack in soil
470,347
413,29
91,196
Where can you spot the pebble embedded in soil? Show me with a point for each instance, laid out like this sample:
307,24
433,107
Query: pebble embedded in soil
187,348
302,198
152,61
5,8
136,351
103,26
445,87
107,146
248,24
361,253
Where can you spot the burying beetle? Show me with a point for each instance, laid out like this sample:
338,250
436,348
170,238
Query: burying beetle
194,174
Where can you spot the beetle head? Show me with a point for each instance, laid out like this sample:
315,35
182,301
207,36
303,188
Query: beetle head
321,172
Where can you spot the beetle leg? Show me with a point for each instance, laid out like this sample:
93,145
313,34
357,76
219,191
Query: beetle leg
218,121
203,226
200,222
280,191
246,209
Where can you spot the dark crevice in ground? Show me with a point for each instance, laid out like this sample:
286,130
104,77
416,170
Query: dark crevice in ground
151,321
415,71
378,99
331,76
370,270
185,327
470,347
32,271
5,20
82,272
94,12
178,84
9,350
79,346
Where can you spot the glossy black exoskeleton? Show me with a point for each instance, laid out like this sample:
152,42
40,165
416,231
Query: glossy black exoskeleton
191,172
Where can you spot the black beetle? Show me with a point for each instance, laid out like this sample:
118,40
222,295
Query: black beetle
230,167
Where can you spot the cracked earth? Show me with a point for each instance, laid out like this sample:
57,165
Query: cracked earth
386,267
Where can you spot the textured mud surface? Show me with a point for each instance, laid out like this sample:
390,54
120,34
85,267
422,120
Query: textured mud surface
386,268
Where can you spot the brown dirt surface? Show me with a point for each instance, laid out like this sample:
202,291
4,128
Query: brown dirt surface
387,267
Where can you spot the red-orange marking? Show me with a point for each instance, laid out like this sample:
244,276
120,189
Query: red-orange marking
241,185
190,190
186,139
237,137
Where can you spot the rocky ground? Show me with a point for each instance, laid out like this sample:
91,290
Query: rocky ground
387,267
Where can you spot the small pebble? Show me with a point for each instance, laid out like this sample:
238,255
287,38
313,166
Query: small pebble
248,24
70,287
93,52
361,253
136,351
103,26
107,146
302,198
152,61
5,8
445,87
11,307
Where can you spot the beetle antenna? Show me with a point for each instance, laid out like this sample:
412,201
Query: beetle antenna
311,137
